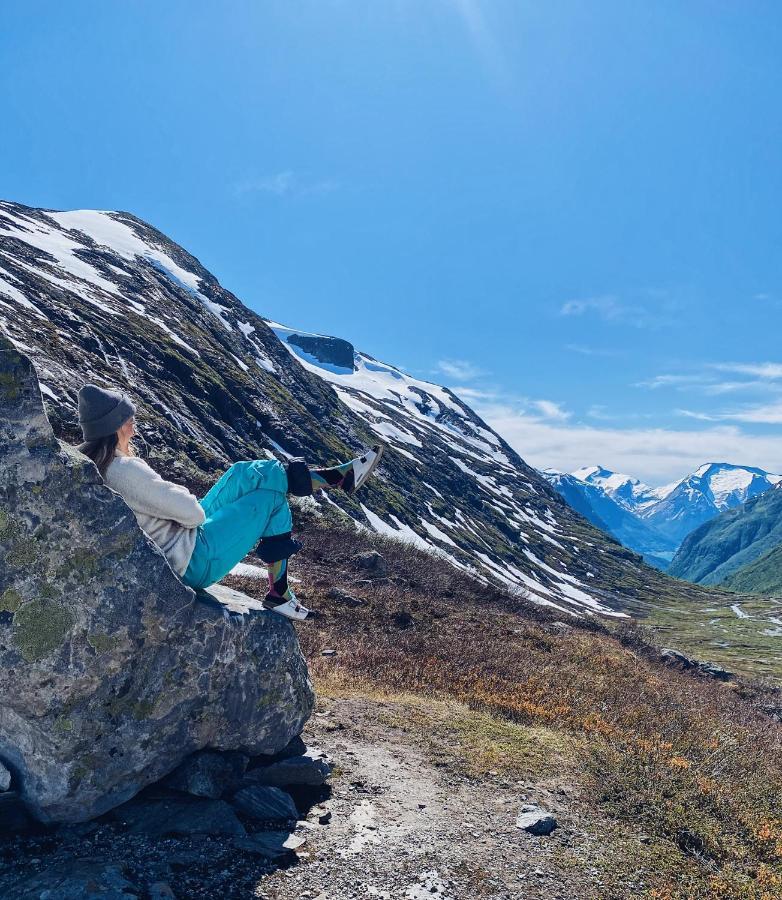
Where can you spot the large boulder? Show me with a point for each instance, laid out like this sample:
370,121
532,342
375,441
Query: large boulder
111,670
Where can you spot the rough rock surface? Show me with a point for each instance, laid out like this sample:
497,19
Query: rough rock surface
111,670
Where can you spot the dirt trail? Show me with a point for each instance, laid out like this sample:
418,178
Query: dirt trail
405,826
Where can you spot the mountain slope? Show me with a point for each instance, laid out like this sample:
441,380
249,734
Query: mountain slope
763,576
731,541
97,296
604,512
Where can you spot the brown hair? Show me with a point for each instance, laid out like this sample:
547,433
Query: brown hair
103,450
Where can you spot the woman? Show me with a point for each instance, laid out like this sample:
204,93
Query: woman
247,508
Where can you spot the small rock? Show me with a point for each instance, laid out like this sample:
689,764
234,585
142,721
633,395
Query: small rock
306,769
328,652
209,773
325,818
294,747
535,820
266,804
343,597
402,619
5,778
372,562
158,818
161,890
271,844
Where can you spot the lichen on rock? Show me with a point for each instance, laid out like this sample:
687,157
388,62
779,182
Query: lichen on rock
111,670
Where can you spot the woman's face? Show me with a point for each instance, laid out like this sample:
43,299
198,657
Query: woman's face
128,429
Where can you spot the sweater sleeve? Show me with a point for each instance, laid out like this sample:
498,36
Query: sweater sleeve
146,492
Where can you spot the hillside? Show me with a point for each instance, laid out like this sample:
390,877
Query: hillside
103,296
762,576
734,539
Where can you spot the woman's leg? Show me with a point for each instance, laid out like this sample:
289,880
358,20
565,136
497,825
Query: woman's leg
242,478
234,529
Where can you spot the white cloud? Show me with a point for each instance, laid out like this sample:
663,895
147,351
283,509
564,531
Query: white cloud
460,369
285,183
550,410
656,455
768,370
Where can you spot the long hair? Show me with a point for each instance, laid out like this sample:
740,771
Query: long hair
103,450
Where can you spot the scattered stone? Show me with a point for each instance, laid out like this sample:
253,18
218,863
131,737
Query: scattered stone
272,844
686,663
112,671
561,626
372,562
534,820
307,769
76,879
328,652
266,804
5,778
343,597
209,773
324,818
402,619
158,818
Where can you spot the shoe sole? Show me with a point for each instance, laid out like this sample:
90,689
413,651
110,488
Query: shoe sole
287,609
378,450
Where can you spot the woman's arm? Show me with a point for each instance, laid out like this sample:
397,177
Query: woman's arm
146,492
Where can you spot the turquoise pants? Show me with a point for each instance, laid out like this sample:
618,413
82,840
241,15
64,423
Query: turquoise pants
247,503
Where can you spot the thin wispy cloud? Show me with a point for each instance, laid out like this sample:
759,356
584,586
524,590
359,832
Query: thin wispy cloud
769,370
662,381
283,184
586,350
460,369
763,414
550,410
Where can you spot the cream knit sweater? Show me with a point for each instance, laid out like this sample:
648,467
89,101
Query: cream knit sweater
167,512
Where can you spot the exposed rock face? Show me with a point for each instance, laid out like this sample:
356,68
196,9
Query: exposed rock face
111,670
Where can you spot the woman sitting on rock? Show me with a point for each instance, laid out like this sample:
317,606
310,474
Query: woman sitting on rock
247,507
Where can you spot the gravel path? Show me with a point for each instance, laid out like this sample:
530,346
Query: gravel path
405,827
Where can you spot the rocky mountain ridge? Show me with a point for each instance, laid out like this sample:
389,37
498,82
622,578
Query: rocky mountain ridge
103,296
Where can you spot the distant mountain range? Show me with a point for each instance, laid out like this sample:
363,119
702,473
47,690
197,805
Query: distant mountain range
655,520
733,548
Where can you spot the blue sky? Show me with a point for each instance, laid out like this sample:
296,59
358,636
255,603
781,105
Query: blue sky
570,211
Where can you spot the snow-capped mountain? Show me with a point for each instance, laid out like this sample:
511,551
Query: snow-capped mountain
102,296
603,510
629,492
711,489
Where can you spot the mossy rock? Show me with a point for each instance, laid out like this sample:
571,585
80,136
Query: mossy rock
40,627
10,600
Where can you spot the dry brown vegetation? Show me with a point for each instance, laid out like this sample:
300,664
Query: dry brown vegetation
691,762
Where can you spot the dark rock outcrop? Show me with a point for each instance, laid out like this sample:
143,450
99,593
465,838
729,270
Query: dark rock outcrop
111,670
698,667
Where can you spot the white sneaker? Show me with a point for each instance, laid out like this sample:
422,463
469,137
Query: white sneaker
291,608
363,467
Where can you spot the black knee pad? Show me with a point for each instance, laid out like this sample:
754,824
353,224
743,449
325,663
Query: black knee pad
299,479
280,546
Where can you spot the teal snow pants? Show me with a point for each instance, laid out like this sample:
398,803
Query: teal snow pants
247,503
